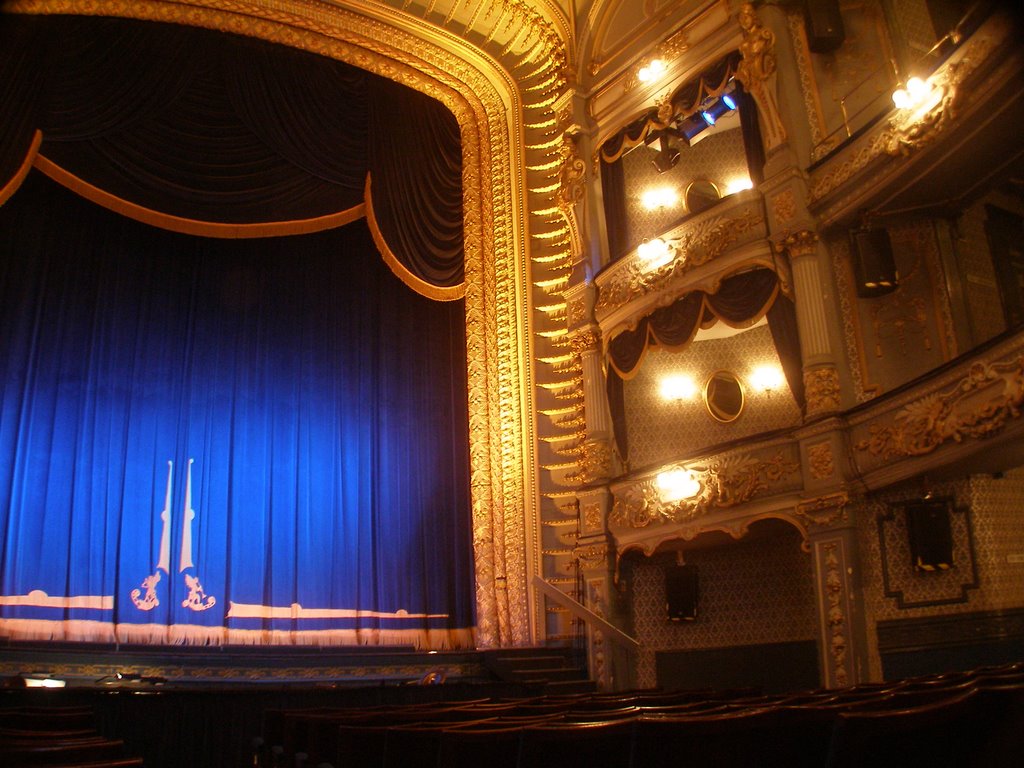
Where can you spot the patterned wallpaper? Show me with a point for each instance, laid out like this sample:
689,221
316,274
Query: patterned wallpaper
750,592
981,291
719,158
660,431
998,542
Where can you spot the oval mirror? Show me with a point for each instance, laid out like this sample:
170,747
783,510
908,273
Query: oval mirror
723,396
700,195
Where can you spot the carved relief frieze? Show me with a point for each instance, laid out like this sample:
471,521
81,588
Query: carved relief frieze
835,616
977,406
822,390
823,511
821,462
720,484
595,461
696,243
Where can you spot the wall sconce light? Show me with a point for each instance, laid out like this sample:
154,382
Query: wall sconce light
659,197
677,484
766,378
916,94
678,387
652,71
656,253
738,184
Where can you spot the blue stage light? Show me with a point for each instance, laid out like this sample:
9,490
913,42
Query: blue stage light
728,101
708,117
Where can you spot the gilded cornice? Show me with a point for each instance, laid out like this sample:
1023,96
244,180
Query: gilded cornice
478,92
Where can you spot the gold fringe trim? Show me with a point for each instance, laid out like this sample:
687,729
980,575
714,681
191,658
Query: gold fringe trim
193,226
422,287
183,634
26,165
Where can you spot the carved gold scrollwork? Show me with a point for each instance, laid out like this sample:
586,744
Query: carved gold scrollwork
823,391
821,461
699,245
836,618
977,406
595,461
722,484
823,511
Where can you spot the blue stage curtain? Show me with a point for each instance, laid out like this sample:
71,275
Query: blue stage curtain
317,405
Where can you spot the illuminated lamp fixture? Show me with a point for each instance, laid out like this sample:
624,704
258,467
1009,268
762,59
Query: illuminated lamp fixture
873,263
766,378
708,116
659,197
917,93
678,387
42,680
677,484
738,184
652,71
667,156
729,101
656,253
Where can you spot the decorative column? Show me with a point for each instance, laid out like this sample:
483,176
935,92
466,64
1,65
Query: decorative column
810,281
842,641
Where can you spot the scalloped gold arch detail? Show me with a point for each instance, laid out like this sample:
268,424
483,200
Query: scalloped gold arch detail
493,233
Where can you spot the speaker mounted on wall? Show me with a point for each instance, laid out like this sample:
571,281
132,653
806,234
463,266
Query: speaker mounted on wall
874,265
681,592
824,24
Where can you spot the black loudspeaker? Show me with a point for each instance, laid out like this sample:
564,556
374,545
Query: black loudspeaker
930,535
681,592
873,264
824,25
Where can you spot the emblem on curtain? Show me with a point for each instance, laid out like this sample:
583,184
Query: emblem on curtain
197,599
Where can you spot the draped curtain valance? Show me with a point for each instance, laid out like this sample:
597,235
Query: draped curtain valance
684,101
212,134
740,301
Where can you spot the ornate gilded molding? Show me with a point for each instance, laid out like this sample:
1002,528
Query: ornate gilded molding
797,244
835,617
596,461
586,340
698,243
823,511
757,72
455,75
908,131
724,483
822,390
821,462
977,406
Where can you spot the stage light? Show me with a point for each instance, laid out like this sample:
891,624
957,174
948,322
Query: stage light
728,100
667,156
708,117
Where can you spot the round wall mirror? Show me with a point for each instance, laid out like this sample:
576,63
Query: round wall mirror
723,396
700,195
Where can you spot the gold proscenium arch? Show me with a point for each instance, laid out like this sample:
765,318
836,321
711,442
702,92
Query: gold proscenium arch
483,99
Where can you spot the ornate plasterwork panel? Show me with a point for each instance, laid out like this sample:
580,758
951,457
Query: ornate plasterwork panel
479,93
724,490
713,240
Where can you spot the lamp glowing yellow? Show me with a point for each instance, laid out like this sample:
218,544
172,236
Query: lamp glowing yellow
766,378
917,92
659,197
655,253
738,184
652,71
678,387
677,484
